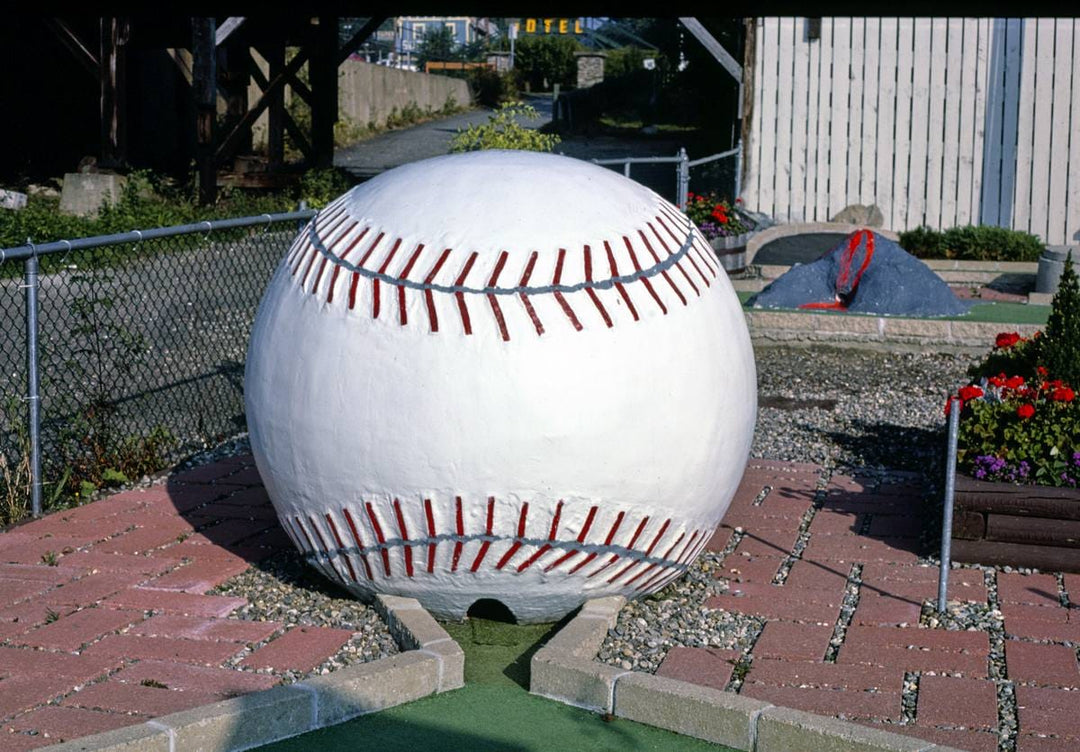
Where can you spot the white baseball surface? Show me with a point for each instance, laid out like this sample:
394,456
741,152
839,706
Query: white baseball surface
502,375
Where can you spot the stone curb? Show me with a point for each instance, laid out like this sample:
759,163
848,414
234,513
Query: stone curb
565,670
432,663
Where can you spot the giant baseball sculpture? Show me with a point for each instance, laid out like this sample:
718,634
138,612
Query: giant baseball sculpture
500,375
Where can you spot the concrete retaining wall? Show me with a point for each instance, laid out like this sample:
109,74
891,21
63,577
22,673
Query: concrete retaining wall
368,93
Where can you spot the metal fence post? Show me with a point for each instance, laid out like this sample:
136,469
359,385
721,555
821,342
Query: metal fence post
33,399
302,206
955,406
682,190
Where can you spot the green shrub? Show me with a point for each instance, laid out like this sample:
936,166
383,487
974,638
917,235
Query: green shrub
546,60
503,131
974,243
1059,347
491,88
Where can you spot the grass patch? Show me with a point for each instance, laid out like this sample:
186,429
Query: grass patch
997,312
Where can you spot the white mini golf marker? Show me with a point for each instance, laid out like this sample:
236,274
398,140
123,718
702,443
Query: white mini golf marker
500,375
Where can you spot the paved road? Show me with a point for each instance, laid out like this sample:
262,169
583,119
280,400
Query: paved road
369,158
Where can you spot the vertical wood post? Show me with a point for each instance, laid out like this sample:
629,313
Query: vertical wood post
746,91
275,135
113,79
204,89
234,57
324,90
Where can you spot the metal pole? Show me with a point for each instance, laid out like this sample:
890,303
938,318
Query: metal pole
950,490
626,169
683,188
33,399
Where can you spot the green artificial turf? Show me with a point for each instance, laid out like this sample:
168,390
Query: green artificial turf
494,711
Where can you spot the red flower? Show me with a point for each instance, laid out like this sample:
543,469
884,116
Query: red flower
1007,339
1040,370
1063,394
1025,411
968,393
1014,382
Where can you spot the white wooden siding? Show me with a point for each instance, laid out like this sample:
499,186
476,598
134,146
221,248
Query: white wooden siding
940,122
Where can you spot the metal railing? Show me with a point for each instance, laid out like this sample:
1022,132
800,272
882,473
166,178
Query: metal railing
131,346
683,164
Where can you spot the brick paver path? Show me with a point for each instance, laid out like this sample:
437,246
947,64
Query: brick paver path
871,529
104,616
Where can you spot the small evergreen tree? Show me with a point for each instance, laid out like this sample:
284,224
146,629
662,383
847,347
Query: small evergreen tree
1060,343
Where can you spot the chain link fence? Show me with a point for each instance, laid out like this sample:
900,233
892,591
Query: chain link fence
717,172
141,340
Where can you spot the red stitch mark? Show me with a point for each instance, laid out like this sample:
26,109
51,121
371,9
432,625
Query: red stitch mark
690,551
667,276
659,535
707,259
433,317
486,544
359,543
401,288
337,267
667,554
592,292
615,557
559,296
645,280
619,285
580,539
431,534
322,543
326,259
379,537
462,307
341,546
304,246
302,529
460,531
495,303
375,282
689,256
583,562
678,264
520,534
607,542
547,546
307,269
525,298
326,217
630,582
404,537
356,275
656,577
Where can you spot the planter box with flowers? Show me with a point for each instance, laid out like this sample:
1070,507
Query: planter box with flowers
727,228
1018,456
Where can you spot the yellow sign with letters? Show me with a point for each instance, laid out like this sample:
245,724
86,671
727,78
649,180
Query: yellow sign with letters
553,26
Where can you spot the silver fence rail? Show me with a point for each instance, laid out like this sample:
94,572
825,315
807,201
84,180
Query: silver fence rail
683,165
131,346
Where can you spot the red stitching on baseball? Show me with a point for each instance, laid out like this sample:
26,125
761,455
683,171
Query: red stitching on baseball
462,307
337,267
326,259
375,282
525,298
592,293
300,527
559,296
402,318
322,544
433,317
678,264
379,537
359,543
404,537
520,534
580,539
656,258
659,535
675,239
637,268
460,531
486,544
551,537
341,546
494,302
356,275
667,554
707,258
619,285
431,534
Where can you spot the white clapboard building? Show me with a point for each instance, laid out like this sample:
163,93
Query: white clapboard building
938,121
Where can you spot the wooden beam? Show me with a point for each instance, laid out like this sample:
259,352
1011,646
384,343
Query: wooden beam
298,137
714,47
228,26
75,45
275,132
276,81
747,102
112,64
359,38
204,90
322,72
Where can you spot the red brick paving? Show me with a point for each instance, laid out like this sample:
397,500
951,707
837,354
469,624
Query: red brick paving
796,642
125,603
1042,665
299,649
706,666
952,701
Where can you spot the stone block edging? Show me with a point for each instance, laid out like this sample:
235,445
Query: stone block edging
432,663
565,670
